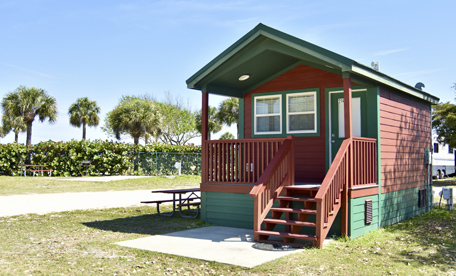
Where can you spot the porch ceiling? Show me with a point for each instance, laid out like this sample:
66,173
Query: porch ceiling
265,53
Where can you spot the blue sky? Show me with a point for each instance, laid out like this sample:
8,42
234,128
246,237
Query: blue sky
106,49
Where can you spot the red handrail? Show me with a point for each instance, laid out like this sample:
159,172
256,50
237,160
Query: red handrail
355,165
279,173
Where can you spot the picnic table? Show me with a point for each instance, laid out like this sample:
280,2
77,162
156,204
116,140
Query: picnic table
34,169
185,199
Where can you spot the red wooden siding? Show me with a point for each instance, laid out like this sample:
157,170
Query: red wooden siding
309,151
405,130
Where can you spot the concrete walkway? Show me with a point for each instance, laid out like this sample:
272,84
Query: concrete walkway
215,243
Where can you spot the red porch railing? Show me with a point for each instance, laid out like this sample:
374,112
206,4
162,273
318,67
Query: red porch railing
279,173
364,162
237,161
364,172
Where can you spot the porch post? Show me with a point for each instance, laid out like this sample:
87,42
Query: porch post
204,117
204,136
348,134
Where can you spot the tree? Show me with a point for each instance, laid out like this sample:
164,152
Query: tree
135,116
180,122
226,136
214,124
15,124
84,112
229,112
28,103
444,123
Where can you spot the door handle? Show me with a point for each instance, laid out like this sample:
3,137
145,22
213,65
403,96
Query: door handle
333,141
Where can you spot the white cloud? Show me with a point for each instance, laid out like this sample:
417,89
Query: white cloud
389,52
41,74
417,73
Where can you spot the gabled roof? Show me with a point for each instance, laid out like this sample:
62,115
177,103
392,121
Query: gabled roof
265,53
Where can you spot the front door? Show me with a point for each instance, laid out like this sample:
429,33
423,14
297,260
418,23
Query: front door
337,123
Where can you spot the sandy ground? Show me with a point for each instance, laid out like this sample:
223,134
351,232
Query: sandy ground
47,203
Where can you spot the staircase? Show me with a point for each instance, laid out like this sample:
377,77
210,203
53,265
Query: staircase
353,166
292,219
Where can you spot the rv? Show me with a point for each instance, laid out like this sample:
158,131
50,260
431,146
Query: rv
443,162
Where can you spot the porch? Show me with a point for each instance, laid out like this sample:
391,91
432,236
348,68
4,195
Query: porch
265,169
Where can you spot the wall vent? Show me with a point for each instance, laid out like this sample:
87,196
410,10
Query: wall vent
422,198
368,211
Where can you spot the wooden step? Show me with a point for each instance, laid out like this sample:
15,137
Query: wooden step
301,188
286,235
293,198
286,243
290,222
295,210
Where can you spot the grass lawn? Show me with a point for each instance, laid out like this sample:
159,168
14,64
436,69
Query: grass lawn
15,185
82,243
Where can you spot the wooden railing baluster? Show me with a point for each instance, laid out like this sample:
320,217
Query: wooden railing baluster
238,161
337,179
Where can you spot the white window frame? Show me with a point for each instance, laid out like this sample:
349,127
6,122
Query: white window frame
255,116
315,130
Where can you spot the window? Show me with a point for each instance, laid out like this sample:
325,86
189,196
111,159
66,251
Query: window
268,116
450,149
436,147
301,113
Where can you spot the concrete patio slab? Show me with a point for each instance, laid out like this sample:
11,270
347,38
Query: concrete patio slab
215,243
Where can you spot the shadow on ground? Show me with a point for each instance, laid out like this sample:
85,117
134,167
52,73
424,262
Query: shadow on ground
152,224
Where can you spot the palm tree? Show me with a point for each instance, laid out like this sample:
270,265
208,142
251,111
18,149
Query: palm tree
84,112
214,125
28,103
229,112
15,124
134,116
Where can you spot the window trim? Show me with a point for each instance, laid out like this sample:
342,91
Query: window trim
282,94
288,95
255,116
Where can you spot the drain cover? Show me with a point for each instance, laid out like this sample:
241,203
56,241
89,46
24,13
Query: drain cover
274,247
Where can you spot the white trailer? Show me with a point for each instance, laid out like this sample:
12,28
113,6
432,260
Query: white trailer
443,162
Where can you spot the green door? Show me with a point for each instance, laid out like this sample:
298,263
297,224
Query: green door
337,123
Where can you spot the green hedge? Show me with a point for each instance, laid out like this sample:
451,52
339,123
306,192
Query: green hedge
65,158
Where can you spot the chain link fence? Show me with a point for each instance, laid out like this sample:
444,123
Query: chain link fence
165,163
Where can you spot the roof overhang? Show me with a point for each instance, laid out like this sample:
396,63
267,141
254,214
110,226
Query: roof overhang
265,53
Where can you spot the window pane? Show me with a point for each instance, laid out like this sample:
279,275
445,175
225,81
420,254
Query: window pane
301,122
268,124
301,103
268,106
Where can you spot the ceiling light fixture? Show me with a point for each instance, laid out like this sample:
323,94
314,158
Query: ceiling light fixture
244,77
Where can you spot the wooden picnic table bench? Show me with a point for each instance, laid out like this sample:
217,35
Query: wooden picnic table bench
34,169
185,200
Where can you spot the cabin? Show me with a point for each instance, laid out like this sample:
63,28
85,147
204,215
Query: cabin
327,146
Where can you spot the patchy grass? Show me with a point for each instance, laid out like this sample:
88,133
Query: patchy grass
15,185
82,243
448,182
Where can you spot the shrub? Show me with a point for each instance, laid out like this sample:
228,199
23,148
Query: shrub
65,158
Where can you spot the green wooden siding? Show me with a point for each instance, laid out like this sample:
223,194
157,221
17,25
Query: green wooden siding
227,209
400,205
357,225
